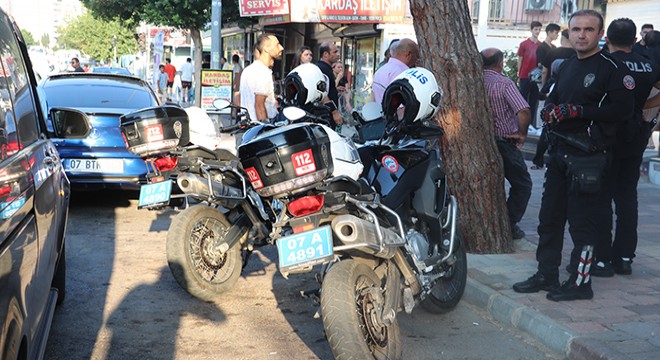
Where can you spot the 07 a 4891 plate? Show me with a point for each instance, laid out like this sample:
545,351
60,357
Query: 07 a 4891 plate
305,249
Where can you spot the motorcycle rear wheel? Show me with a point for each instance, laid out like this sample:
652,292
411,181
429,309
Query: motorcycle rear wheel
192,258
348,313
448,291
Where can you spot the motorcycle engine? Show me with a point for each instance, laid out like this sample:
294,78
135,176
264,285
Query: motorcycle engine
418,244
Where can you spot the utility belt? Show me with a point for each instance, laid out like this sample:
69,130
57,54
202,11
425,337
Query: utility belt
585,161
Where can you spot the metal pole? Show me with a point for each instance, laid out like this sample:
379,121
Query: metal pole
114,45
216,37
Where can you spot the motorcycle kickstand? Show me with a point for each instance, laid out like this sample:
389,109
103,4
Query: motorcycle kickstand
246,257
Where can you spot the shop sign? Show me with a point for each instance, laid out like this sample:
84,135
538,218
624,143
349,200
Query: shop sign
263,7
216,84
348,11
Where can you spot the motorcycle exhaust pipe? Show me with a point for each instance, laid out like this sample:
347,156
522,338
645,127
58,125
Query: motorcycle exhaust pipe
357,233
195,184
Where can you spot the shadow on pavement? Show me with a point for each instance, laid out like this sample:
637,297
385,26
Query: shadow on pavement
145,324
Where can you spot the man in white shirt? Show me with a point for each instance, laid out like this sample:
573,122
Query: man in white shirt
187,71
256,84
403,55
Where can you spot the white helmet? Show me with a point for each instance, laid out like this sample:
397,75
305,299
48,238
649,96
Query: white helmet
305,84
417,90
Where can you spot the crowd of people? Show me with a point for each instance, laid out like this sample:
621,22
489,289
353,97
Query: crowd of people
595,133
258,96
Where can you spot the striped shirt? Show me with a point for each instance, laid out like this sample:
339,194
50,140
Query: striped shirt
505,101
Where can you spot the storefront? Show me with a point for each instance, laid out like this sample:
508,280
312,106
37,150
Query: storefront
362,30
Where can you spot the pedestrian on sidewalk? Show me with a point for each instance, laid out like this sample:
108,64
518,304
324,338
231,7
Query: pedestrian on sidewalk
403,55
236,82
302,56
544,48
329,54
526,63
187,71
511,117
592,94
170,70
632,138
257,92
162,83
640,46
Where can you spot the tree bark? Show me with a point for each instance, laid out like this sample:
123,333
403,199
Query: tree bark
469,153
196,36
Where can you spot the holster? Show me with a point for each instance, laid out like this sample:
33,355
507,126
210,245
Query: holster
585,171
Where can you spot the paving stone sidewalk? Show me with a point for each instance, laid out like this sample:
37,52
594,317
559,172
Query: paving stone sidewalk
621,322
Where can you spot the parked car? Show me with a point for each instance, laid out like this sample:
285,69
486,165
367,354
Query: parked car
98,158
111,70
34,200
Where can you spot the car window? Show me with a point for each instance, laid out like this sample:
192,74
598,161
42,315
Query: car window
105,96
18,87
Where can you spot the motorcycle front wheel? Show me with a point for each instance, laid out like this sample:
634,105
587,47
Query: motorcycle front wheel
448,291
193,257
348,310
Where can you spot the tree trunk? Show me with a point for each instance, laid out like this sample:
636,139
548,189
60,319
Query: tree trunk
469,153
196,36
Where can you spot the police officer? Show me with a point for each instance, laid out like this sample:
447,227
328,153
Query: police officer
591,95
628,151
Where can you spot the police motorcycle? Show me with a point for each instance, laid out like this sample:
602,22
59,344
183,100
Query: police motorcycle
208,241
379,223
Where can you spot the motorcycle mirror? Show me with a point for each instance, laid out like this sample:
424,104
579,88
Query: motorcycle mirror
371,111
293,113
221,104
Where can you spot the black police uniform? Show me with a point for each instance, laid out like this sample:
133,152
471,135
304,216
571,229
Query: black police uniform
573,188
632,138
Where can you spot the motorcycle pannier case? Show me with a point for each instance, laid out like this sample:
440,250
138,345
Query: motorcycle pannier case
155,130
287,160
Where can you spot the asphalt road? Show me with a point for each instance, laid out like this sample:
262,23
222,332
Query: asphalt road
123,303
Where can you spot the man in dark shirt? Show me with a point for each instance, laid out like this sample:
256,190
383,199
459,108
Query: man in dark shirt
329,54
640,46
632,138
592,94
563,52
551,34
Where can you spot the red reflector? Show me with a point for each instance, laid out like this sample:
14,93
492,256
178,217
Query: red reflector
303,228
166,163
305,205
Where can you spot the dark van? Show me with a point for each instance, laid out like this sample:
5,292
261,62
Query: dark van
34,200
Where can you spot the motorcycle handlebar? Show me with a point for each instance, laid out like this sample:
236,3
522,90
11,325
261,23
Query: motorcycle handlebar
228,129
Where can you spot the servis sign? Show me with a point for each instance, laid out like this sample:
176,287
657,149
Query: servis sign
263,7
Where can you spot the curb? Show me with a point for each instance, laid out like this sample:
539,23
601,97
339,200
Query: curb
549,332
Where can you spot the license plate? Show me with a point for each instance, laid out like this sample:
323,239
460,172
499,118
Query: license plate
305,249
155,194
95,165
303,162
